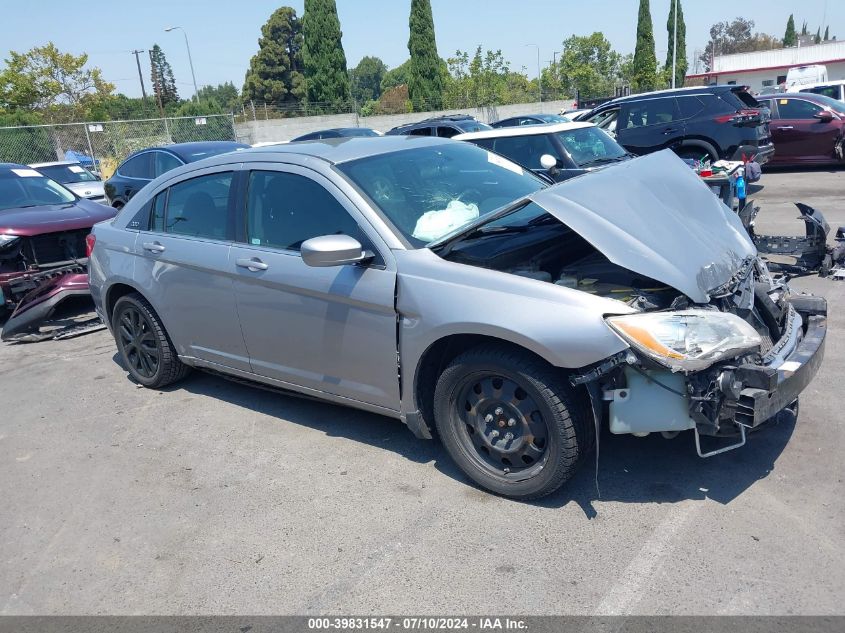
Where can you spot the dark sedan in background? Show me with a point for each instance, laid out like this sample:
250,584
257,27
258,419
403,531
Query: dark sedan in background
807,129
530,119
336,132
143,166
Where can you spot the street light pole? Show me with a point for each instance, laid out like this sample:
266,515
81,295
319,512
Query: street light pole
190,61
675,44
539,76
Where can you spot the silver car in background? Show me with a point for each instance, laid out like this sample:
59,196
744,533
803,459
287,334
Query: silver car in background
74,176
443,285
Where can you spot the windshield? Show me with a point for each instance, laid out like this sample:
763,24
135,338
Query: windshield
67,173
590,146
428,192
359,131
21,188
553,118
212,151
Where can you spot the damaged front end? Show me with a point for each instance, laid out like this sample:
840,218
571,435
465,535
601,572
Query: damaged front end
648,390
49,289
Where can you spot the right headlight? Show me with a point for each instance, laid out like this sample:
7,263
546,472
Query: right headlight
686,340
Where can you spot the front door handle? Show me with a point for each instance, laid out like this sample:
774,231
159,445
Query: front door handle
153,247
252,264
786,127
670,130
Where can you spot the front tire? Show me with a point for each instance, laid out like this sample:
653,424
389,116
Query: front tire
143,344
510,421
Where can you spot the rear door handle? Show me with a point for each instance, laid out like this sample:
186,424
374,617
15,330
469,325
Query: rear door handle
153,247
670,130
786,127
252,264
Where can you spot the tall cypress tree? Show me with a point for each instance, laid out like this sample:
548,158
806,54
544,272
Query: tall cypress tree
826,33
790,38
644,75
322,53
275,71
161,75
425,83
681,58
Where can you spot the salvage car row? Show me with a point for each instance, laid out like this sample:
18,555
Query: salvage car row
446,285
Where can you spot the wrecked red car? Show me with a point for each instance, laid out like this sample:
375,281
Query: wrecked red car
43,259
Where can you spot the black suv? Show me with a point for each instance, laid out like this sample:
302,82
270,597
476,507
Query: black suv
718,122
445,126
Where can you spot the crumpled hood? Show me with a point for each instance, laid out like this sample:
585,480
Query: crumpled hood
653,215
53,218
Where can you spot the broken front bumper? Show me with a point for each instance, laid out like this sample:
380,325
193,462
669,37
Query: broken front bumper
723,400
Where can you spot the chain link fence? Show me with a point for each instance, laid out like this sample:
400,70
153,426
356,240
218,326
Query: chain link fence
108,142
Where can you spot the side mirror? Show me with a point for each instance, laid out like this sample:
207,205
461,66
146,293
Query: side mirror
332,250
547,161
824,116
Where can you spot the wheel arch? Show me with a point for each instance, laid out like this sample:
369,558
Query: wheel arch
115,292
690,143
444,350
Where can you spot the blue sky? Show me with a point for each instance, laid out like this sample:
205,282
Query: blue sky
223,34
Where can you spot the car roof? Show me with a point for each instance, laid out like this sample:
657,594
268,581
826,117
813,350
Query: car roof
820,84
524,130
55,163
185,150
339,150
443,118
671,92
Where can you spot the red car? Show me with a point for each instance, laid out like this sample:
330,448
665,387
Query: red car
43,256
807,129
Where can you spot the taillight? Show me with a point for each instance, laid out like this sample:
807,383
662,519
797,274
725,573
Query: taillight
741,117
90,240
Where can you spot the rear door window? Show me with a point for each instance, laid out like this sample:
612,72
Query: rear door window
688,107
140,166
199,207
421,131
447,132
649,112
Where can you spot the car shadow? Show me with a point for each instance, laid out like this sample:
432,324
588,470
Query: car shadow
630,469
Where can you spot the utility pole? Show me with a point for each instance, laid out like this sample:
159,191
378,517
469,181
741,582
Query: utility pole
140,75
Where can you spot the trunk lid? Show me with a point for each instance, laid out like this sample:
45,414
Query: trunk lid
653,215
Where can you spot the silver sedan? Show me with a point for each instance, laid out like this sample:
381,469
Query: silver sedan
440,284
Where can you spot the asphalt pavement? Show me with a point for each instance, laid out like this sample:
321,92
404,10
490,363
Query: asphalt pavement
216,498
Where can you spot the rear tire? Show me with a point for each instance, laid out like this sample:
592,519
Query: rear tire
143,344
510,421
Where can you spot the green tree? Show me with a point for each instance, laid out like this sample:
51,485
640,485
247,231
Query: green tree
645,60
588,67
276,72
681,57
44,77
396,77
425,77
366,79
826,33
161,76
225,95
804,28
322,53
790,38
737,36
818,38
